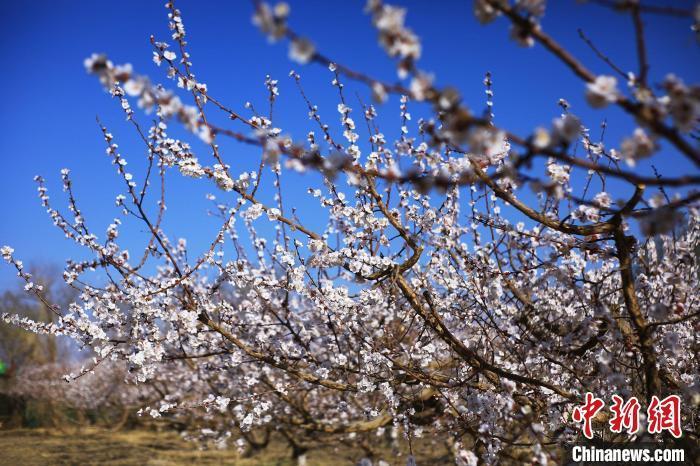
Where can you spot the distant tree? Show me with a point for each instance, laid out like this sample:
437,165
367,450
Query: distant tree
19,348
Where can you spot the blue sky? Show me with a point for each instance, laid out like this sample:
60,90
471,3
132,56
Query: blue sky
49,103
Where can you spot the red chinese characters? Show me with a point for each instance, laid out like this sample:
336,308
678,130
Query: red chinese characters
587,412
662,415
665,415
625,415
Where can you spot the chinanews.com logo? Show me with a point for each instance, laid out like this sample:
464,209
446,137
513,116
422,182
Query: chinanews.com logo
605,453
663,416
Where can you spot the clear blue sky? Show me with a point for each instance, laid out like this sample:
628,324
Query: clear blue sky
49,103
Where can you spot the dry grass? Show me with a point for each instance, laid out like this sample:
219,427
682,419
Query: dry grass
34,447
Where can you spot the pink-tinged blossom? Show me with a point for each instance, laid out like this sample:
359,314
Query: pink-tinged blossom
602,91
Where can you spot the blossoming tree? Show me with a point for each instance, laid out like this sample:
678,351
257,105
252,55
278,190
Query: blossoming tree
470,284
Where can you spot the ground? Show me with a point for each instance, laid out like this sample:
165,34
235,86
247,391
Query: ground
34,447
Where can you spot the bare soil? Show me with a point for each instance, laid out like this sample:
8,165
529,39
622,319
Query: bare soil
89,446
